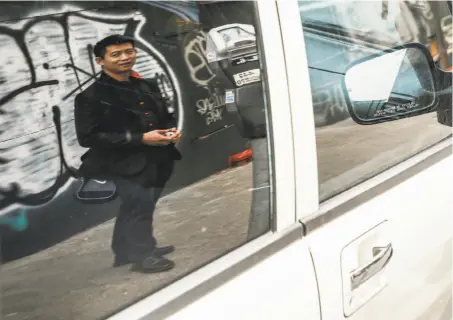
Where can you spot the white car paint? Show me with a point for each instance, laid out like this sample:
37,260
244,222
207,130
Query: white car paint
419,273
281,287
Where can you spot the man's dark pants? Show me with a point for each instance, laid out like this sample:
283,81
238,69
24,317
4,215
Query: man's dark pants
133,236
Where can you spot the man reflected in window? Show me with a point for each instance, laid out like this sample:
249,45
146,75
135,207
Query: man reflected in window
131,137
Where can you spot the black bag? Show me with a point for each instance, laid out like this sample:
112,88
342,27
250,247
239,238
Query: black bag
91,190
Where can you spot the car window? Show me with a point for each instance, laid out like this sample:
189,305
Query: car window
79,224
338,34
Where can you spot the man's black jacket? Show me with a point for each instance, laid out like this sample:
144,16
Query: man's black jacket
110,119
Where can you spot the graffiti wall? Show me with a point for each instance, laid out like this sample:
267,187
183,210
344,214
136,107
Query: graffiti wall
47,61
211,107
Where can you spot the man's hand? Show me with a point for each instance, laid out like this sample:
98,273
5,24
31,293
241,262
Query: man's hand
156,138
176,135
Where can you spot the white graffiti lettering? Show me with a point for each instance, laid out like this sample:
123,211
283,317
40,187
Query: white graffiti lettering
211,108
446,25
329,104
196,61
425,9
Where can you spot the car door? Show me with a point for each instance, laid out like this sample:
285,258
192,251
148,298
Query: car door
380,237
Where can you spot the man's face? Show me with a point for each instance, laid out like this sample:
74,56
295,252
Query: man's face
118,58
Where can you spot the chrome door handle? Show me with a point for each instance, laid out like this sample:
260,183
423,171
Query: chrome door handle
381,257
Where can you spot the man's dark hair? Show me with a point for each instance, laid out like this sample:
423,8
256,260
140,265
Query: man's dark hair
101,46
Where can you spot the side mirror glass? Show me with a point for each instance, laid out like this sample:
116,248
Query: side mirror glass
391,85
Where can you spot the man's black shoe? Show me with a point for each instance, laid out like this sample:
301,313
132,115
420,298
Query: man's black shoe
153,264
161,251
121,260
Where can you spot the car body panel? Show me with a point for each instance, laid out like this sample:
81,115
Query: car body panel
419,229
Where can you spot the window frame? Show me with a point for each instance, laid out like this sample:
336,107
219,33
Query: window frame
303,118
285,228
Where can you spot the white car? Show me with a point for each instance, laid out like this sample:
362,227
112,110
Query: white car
343,212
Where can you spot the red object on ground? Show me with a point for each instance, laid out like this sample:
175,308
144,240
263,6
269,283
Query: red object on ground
240,158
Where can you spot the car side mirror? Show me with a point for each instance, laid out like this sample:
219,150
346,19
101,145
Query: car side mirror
393,84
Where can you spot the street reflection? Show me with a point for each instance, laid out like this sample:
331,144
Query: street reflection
74,279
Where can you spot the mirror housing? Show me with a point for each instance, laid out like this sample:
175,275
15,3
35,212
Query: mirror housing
397,83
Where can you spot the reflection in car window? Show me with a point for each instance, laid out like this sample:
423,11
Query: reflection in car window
124,161
338,34
393,23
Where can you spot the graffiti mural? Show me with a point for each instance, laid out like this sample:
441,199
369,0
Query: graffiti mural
195,57
213,105
329,104
211,108
47,61
446,26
